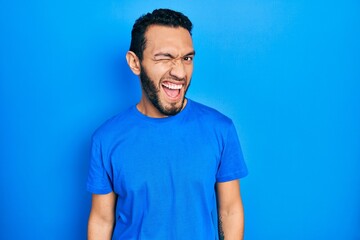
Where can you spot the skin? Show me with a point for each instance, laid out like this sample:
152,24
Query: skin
230,210
167,59
102,216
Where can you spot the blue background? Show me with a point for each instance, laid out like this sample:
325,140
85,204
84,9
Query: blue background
286,72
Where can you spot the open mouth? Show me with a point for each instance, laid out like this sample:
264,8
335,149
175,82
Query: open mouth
172,90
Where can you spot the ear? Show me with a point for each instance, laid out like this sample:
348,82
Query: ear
133,62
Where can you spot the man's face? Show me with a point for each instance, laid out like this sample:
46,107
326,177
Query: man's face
166,69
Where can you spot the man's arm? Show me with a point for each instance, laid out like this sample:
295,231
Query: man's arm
230,210
102,215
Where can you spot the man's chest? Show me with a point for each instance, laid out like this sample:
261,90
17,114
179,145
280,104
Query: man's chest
169,160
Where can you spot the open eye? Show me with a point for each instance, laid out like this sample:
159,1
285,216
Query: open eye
188,58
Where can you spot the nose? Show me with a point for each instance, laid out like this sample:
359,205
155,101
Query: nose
178,69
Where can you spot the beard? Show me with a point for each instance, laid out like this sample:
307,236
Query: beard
153,94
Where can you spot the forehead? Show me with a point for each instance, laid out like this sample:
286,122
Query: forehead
168,39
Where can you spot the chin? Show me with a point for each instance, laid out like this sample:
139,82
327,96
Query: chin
171,109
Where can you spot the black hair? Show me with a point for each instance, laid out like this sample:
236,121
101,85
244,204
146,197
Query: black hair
162,17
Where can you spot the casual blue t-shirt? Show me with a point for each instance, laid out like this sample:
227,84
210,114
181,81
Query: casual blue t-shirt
164,171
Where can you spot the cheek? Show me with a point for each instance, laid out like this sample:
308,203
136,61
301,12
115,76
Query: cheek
160,72
189,71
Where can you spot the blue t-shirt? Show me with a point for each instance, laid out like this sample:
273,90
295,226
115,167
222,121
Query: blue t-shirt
164,171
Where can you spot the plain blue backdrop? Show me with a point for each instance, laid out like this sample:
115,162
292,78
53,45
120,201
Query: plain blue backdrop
286,72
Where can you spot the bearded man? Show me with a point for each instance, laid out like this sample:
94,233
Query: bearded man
167,167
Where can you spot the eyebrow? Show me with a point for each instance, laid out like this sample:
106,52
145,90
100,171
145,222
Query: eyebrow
190,53
161,54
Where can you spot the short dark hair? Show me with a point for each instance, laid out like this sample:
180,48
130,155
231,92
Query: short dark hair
162,17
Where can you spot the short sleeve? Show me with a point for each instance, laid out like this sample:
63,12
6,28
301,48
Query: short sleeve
232,165
98,181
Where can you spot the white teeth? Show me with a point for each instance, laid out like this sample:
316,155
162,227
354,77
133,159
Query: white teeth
173,86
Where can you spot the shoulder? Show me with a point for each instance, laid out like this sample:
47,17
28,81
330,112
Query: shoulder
114,124
207,113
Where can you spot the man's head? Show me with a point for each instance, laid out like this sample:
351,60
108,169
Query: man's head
161,54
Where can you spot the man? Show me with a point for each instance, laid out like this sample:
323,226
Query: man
167,168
